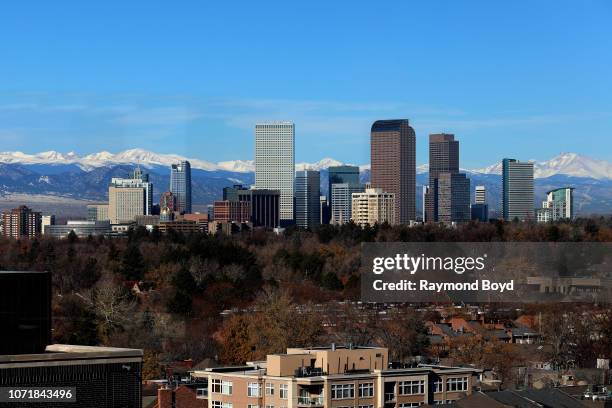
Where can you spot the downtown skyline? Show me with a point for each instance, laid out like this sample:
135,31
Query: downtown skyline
517,82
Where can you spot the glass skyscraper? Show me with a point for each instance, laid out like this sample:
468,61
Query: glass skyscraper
341,175
180,186
307,198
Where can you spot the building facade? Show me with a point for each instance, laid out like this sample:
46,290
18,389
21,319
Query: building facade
97,212
325,210
275,163
82,229
102,377
307,198
332,377
393,164
342,199
517,190
374,206
125,203
480,195
341,175
453,198
480,212
46,221
443,158
264,204
559,205
236,211
21,222
167,206
180,185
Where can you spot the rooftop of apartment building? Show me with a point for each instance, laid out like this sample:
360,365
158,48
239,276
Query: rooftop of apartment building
329,361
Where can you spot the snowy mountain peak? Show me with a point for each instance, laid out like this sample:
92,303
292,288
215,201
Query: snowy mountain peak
320,165
569,164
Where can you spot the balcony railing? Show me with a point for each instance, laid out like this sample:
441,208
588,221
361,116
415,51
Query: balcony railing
389,396
310,401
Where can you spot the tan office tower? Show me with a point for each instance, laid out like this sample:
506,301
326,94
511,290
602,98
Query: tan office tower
393,164
125,203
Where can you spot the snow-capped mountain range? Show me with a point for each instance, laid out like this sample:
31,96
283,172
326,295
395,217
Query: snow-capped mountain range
54,182
569,164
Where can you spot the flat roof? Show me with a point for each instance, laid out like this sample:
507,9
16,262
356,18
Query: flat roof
23,272
66,352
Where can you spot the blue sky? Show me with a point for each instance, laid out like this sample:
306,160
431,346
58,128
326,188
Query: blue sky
519,79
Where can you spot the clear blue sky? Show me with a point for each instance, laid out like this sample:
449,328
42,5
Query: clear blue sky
521,79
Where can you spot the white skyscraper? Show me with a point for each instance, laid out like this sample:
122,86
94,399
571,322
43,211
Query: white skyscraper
481,195
275,162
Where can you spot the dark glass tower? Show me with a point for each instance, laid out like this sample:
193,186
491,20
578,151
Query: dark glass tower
307,198
341,175
443,158
180,186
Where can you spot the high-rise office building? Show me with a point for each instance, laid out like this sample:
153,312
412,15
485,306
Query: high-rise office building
374,206
180,185
125,203
443,158
342,175
275,163
517,190
265,206
424,198
307,198
138,175
480,195
129,197
559,205
342,201
393,164
138,182
231,193
453,199
325,210
21,222
480,212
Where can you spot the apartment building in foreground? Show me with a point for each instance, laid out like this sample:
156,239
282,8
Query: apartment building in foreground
331,377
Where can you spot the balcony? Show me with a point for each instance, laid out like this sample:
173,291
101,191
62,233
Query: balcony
310,401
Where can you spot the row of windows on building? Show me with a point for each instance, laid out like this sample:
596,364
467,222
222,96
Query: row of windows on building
347,391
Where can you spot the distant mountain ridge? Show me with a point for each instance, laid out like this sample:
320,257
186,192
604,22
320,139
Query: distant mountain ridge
569,164
68,176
